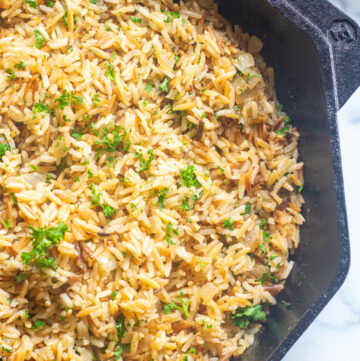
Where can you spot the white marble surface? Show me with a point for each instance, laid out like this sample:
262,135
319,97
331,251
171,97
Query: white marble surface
335,334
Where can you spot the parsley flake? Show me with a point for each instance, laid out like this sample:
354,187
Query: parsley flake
39,39
243,316
42,240
229,224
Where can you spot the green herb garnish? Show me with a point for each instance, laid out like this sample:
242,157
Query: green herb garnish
262,247
38,324
135,20
168,233
169,307
286,304
96,99
114,142
110,71
41,107
20,65
243,316
247,209
264,277
189,178
107,210
42,240
164,86
76,134
6,349
285,128
4,147
266,236
21,277
162,194
39,39
148,87
6,224
145,164
31,3
263,223
66,99
11,73
229,224
120,331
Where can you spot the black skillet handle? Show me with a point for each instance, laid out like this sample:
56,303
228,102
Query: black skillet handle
342,36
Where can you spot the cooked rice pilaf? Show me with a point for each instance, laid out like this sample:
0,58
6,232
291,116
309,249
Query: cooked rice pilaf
150,182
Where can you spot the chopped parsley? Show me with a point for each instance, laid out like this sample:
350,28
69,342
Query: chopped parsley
286,304
96,99
6,224
243,316
145,164
124,180
76,134
42,240
107,210
93,2
11,73
120,331
191,125
263,223
169,307
135,20
173,14
264,277
110,71
266,236
164,85
65,19
262,247
6,349
168,233
271,258
66,99
20,65
189,178
41,107
4,147
31,3
196,197
148,87
21,277
162,194
247,209
111,144
229,224
185,204
39,39
285,128
113,295
38,324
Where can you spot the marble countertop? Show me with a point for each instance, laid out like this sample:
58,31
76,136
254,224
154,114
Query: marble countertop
335,334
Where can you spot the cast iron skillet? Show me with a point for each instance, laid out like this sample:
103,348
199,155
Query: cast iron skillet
315,50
